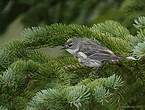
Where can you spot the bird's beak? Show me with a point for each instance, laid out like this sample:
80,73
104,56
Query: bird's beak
64,47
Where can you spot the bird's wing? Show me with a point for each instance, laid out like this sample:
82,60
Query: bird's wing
100,56
89,47
92,45
96,51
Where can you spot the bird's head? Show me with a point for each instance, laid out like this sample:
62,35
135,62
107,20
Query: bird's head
72,45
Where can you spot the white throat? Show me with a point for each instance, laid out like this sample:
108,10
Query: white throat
72,51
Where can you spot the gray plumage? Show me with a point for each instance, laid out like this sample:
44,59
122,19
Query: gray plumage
89,52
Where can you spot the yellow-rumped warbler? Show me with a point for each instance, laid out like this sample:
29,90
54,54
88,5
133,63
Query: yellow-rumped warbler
91,53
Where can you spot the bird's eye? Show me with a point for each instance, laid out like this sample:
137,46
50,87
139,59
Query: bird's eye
70,44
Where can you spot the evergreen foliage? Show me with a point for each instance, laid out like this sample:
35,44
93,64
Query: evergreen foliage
77,97
31,80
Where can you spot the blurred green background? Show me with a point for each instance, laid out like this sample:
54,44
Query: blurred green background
15,15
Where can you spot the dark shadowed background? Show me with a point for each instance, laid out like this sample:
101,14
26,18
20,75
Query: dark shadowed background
18,14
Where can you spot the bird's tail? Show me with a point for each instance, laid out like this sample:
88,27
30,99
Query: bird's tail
131,58
119,58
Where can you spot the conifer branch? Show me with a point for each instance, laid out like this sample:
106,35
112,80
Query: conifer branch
75,97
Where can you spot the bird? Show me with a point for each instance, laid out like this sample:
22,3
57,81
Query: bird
91,53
